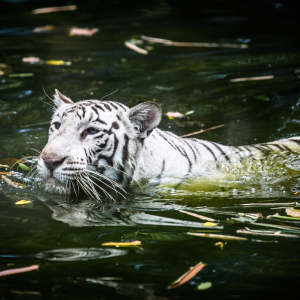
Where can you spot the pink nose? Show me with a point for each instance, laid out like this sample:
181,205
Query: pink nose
53,163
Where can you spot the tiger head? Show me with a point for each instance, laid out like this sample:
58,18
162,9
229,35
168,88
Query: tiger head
94,145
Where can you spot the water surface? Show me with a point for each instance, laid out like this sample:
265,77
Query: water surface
64,236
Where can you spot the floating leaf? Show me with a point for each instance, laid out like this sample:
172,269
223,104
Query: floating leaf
204,286
187,276
13,183
220,245
45,28
21,202
24,167
210,224
46,10
290,211
58,62
126,244
261,97
19,270
31,59
4,166
21,75
222,188
83,31
171,115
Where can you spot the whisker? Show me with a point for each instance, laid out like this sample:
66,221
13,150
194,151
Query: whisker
126,173
87,179
107,186
109,94
108,179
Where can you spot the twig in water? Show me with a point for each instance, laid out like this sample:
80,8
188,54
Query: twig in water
203,130
267,234
136,48
182,44
218,236
197,216
252,78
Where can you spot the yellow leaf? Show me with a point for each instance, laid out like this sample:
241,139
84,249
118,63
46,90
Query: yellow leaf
220,245
58,62
22,202
4,166
210,224
135,243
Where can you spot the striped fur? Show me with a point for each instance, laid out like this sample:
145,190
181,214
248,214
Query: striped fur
123,146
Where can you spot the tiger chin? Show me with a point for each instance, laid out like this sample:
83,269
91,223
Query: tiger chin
100,147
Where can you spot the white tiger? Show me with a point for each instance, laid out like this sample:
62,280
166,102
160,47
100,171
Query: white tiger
95,145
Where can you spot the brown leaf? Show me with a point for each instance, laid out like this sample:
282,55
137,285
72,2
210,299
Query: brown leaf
46,10
19,270
176,114
13,183
187,276
45,28
83,31
292,212
10,161
31,59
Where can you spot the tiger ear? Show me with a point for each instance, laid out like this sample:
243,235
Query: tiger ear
145,117
60,99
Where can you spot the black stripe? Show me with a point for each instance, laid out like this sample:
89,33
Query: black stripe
121,105
162,171
125,156
100,121
223,153
212,153
114,106
295,141
261,149
279,147
95,110
109,159
78,114
107,106
83,111
98,106
287,148
251,154
195,157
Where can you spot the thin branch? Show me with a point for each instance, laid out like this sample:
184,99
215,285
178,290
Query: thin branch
203,130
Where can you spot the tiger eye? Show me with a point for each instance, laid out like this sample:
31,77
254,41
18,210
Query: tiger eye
56,125
92,130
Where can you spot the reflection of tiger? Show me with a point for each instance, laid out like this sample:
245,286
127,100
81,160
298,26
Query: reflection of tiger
102,144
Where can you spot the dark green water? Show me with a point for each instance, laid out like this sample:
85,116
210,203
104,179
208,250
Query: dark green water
65,236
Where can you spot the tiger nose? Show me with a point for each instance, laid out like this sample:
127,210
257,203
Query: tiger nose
53,163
